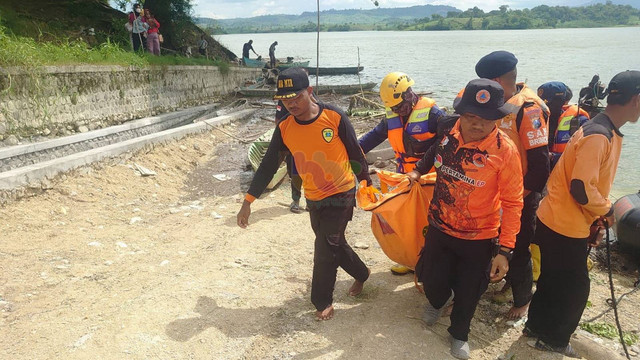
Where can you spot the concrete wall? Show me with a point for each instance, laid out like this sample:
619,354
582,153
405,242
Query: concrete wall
59,100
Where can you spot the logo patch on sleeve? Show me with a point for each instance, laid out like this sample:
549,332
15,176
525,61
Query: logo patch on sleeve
327,134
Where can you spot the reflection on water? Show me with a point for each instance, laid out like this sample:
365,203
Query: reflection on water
443,62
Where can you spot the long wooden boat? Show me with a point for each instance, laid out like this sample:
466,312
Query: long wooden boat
286,65
256,153
334,70
322,89
254,63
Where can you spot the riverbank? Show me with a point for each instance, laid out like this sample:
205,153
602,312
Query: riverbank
108,264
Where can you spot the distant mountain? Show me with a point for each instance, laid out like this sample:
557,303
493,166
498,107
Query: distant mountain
633,3
328,18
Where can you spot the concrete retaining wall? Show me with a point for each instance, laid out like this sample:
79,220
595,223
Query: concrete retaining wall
60,100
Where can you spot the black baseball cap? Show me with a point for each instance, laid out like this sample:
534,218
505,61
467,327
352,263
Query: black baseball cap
496,64
554,90
291,82
625,83
484,98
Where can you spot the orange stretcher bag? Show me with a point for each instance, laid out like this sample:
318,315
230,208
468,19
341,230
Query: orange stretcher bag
399,217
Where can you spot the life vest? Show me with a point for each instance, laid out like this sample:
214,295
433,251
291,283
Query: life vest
510,124
568,124
414,134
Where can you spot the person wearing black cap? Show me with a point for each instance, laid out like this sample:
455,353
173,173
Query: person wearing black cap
526,125
474,215
578,192
325,149
564,119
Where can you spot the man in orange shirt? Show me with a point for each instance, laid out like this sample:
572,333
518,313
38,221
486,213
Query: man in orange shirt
526,125
474,215
326,153
578,192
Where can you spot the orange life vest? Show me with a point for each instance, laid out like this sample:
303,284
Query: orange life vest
568,124
416,131
518,118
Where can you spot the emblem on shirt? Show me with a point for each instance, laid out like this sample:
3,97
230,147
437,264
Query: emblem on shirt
536,123
483,96
479,160
437,162
416,128
327,134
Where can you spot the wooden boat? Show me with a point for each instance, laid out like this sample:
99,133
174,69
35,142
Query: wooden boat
256,153
335,70
322,89
254,63
286,65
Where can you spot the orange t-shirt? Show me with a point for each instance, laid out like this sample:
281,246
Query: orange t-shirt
579,185
325,151
476,180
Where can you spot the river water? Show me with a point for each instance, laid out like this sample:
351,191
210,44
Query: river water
443,62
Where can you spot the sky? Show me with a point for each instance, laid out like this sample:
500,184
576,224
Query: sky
226,9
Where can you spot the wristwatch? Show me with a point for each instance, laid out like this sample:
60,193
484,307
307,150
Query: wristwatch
507,254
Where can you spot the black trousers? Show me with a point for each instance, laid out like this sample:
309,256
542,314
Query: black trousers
563,286
448,263
520,273
329,218
138,41
296,180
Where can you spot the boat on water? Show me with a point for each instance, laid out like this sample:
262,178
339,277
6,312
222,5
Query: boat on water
321,89
286,65
256,153
254,63
334,70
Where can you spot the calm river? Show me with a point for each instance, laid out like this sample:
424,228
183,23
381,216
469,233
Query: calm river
443,62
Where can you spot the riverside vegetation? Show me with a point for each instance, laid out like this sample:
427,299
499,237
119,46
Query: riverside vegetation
438,18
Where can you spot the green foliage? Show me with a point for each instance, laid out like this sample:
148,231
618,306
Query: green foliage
25,51
608,331
429,17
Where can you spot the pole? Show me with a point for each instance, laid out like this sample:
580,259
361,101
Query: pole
358,72
318,45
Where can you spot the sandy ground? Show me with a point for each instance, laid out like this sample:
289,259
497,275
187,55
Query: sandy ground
111,265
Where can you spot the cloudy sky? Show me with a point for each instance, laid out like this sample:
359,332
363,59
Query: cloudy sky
225,9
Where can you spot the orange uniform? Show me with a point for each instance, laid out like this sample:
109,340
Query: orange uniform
325,151
579,185
475,182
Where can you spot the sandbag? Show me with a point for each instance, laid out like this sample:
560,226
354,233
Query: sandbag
399,217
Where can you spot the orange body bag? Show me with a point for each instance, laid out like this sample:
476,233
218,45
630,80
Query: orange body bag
399,217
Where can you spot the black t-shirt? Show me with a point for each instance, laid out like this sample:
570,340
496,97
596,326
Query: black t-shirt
245,50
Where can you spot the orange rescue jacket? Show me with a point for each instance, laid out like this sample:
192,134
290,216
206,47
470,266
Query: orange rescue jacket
416,130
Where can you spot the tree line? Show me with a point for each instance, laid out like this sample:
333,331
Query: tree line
540,17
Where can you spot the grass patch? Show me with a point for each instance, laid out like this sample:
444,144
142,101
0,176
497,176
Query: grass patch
25,51
609,331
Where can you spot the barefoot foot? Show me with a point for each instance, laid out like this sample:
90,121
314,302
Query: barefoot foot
357,286
448,310
517,312
325,314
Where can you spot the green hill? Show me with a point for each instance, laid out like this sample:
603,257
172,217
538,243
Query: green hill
331,20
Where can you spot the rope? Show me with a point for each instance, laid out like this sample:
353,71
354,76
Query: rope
614,303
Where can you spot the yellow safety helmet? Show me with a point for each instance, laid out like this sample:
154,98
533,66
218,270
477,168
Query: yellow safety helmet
392,87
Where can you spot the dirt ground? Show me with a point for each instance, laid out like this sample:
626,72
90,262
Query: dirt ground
111,265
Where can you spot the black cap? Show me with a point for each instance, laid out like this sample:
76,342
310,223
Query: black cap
625,83
496,64
291,82
484,98
554,91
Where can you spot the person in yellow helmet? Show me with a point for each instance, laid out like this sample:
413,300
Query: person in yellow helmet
410,125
